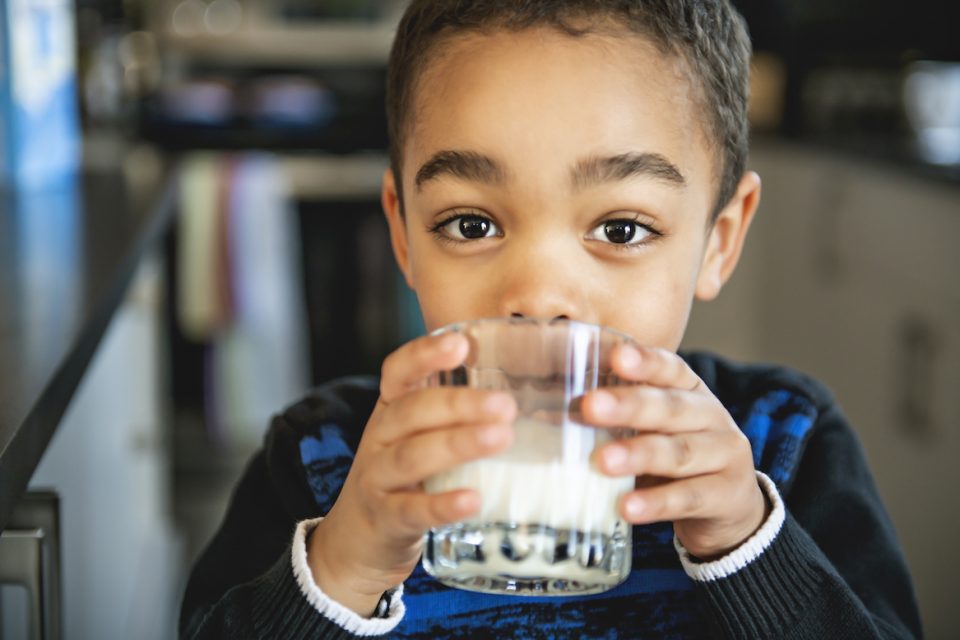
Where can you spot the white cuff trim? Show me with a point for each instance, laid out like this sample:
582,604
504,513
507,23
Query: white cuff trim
746,552
333,610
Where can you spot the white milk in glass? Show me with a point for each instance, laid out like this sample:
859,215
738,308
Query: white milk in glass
548,524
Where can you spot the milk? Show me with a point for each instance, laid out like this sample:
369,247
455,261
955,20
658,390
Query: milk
548,523
545,477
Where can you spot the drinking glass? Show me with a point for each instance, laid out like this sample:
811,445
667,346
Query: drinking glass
549,523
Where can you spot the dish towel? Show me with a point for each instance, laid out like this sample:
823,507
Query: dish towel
242,290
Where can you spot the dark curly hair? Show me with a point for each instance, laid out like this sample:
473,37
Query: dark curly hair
708,36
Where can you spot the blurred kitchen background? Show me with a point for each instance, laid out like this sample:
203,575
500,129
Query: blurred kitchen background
276,274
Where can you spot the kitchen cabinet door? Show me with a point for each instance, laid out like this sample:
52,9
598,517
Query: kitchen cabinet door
897,280
108,463
859,290
850,275
893,363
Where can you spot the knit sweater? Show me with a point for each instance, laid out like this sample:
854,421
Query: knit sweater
826,564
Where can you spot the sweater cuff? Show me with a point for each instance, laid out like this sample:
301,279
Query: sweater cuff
765,585
390,609
746,552
278,609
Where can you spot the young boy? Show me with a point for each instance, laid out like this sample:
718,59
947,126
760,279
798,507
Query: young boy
579,159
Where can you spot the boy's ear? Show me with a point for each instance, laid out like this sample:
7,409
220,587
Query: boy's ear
727,236
390,200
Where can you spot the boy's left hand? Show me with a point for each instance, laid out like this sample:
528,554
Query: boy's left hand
695,466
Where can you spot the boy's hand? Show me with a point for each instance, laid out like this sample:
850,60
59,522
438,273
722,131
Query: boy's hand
695,466
371,540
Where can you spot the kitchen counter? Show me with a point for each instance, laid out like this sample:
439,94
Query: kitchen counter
67,257
890,152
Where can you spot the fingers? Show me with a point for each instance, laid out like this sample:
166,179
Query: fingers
413,512
679,455
676,500
412,460
648,408
654,366
430,409
694,466
409,366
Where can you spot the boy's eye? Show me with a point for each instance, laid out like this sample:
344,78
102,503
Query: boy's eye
620,232
470,227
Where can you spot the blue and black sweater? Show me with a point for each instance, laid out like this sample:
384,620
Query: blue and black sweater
833,570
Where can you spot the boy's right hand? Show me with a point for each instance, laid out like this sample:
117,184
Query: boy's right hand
371,539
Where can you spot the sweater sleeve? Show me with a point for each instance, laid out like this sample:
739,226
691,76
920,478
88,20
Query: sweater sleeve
284,602
833,570
243,586
249,582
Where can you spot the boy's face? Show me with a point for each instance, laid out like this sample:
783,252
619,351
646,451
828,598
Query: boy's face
551,176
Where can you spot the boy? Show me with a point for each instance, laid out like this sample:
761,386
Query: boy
577,159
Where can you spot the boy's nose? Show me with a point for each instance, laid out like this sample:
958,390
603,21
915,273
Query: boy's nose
543,292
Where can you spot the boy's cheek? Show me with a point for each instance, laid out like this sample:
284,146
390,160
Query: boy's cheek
447,294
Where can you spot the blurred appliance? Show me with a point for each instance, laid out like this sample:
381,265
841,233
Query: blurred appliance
39,130
292,75
931,95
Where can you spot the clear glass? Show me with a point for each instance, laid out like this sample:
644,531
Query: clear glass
549,523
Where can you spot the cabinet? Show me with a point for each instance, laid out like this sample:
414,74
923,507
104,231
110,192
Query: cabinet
108,463
850,275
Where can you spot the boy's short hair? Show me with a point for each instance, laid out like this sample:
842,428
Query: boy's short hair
708,36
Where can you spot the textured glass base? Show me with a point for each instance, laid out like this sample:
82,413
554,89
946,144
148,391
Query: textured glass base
532,560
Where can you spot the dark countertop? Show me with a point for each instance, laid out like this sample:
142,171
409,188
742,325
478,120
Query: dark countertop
67,257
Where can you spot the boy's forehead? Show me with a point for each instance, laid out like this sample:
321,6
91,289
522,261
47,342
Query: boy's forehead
546,95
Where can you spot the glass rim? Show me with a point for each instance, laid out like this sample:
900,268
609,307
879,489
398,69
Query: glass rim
461,327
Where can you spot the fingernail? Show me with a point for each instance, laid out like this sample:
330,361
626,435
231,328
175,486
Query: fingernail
491,435
448,342
497,404
615,457
465,502
630,358
634,507
603,403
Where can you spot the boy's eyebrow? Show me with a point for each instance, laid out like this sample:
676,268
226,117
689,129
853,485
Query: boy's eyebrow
463,164
477,167
600,169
